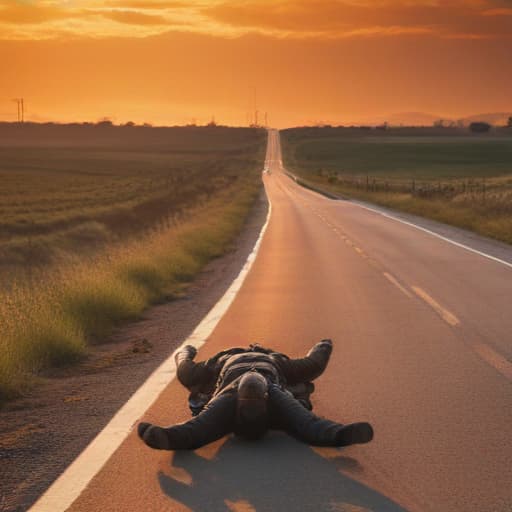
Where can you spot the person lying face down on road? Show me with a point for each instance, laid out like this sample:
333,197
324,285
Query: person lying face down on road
248,391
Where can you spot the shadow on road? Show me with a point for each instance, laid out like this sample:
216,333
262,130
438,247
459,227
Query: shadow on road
277,474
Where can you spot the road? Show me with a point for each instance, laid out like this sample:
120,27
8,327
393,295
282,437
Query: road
422,335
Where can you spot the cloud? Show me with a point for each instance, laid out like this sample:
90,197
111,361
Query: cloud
14,12
342,18
133,17
502,11
307,19
56,19
147,4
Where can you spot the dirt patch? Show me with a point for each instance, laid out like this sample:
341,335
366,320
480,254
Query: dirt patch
42,433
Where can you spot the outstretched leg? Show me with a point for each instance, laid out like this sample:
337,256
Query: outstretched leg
289,415
216,420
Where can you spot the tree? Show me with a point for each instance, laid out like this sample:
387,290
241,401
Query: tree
479,127
509,122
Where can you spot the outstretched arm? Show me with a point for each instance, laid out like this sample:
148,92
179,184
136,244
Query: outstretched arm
214,422
189,373
307,368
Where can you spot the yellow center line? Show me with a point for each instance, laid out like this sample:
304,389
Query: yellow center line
496,360
375,264
394,281
342,236
446,315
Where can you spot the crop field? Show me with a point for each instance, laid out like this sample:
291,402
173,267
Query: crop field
449,175
99,222
77,189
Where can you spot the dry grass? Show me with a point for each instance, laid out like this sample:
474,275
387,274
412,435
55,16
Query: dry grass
485,209
52,322
115,223
78,189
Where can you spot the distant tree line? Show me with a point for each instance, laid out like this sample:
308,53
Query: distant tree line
480,127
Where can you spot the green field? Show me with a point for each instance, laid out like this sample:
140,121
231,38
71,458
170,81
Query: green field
395,153
77,189
100,222
449,175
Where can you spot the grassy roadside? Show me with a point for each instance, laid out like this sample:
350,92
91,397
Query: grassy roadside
456,179
491,217
76,190
51,322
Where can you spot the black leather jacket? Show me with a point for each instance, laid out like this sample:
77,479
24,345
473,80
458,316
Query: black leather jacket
213,388
207,379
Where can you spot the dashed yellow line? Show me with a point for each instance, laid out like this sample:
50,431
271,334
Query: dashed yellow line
394,281
339,232
496,360
485,352
446,315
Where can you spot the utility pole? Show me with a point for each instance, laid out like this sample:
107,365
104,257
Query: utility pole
266,120
20,103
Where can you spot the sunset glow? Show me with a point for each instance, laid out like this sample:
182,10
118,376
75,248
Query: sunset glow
301,61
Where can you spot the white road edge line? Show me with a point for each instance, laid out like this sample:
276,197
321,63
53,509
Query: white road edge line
70,484
411,224
433,233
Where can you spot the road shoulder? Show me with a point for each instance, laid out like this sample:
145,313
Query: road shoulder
43,433
478,243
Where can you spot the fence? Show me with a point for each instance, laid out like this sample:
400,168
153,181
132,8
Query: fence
450,188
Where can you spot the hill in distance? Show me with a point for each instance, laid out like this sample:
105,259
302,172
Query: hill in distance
426,119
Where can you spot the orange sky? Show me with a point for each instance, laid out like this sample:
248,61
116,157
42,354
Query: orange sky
309,61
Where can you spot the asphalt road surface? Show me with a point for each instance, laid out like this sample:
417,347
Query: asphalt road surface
422,333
